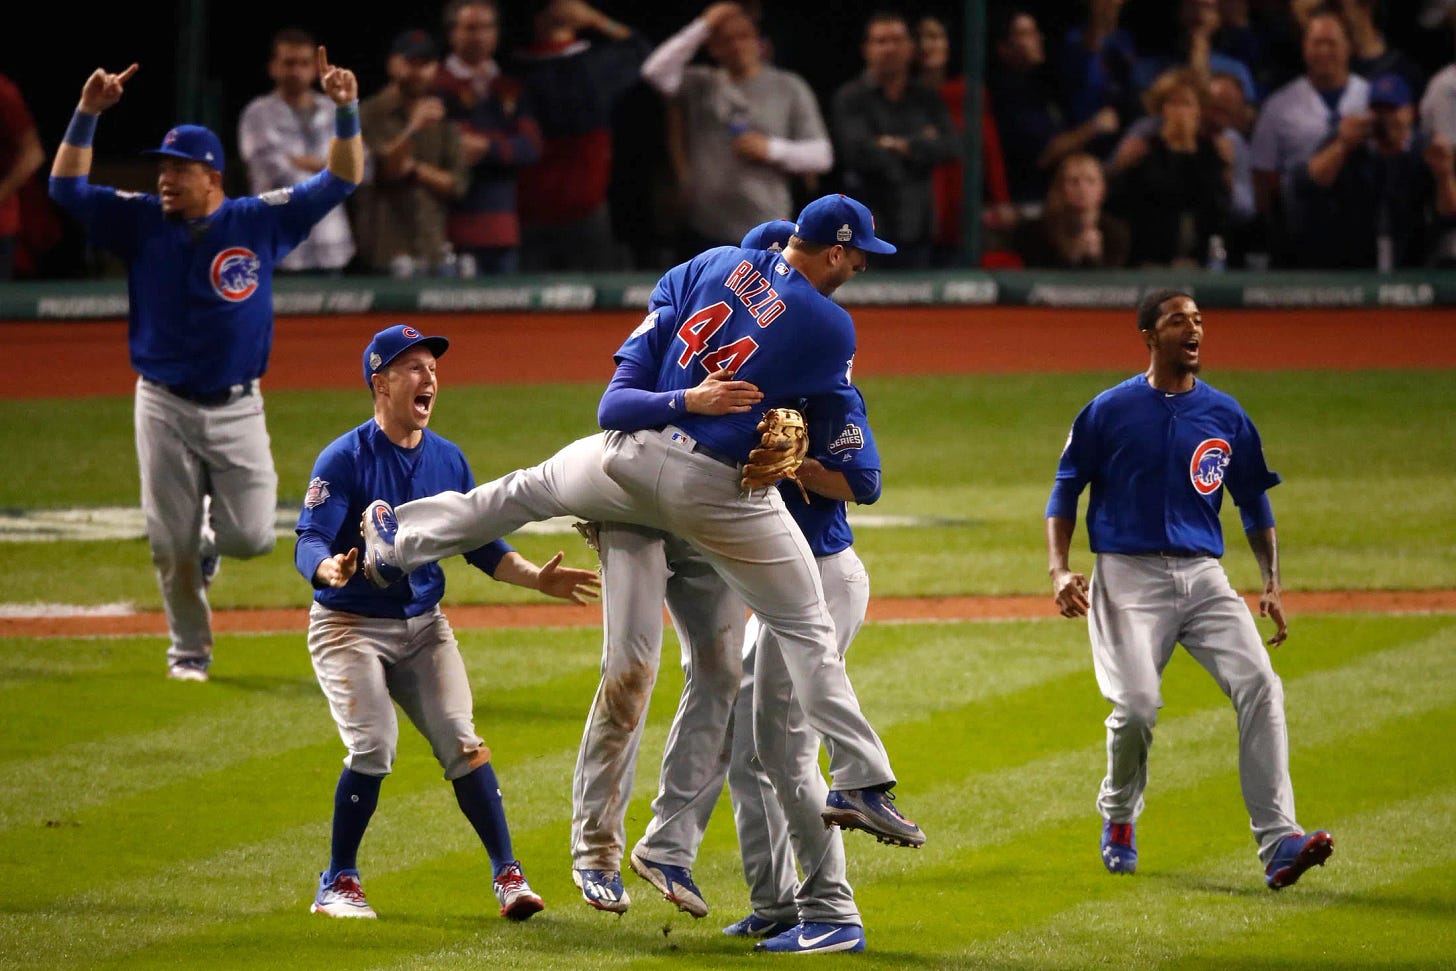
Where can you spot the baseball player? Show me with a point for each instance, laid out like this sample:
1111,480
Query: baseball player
1159,449
371,648
199,282
768,319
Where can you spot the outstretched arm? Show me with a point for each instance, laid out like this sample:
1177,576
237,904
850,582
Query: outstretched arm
101,91
553,579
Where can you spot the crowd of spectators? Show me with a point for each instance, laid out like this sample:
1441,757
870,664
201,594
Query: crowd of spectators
1247,133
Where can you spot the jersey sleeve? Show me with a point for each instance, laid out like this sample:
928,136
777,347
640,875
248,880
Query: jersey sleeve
113,219
331,488
299,207
839,432
484,558
1075,468
1248,476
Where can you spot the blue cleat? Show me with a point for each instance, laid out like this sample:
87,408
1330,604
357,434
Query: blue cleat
1297,853
379,527
602,889
1119,846
674,882
872,811
815,938
756,926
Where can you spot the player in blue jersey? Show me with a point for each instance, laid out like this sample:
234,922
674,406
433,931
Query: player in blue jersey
199,281
1159,450
371,648
766,318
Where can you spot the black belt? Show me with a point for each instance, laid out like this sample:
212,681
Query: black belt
707,452
210,399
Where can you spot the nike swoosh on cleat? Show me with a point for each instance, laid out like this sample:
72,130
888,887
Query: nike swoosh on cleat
815,941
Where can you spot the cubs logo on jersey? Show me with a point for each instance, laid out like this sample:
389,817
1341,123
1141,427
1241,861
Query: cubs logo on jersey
1207,466
234,273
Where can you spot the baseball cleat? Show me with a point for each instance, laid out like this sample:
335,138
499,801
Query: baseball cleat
815,938
379,527
602,889
186,672
1119,846
341,897
874,812
675,883
517,900
1295,854
756,926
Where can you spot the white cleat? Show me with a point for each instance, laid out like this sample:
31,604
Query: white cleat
344,897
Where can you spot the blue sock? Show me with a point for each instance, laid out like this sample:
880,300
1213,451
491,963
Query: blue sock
354,800
479,797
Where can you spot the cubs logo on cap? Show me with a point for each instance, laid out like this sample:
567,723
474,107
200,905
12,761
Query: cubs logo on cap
391,342
193,143
838,219
1207,466
234,273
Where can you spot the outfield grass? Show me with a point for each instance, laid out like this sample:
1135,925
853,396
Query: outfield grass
1367,459
151,824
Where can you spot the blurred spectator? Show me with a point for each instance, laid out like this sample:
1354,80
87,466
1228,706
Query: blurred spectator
1370,55
737,132
498,131
1369,193
1034,136
1073,231
933,59
283,137
417,166
1438,123
20,156
1174,189
1198,22
1297,119
574,84
1096,65
891,132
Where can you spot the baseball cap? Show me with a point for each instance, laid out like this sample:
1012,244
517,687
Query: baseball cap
772,236
415,44
391,342
842,220
1390,90
192,142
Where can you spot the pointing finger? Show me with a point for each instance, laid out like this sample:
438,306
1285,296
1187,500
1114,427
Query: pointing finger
323,61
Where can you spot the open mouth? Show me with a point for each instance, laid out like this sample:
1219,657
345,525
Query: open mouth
423,404
1191,347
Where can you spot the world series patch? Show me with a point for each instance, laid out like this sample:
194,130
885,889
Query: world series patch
1207,466
318,493
851,437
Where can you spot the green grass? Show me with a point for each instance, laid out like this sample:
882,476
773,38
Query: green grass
1366,457
155,824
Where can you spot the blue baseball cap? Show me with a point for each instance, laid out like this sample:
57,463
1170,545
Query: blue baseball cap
391,342
1390,90
838,219
772,236
192,142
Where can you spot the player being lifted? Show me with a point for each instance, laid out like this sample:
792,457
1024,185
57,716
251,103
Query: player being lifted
1158,451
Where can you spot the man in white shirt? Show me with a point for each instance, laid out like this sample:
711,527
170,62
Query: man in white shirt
283,137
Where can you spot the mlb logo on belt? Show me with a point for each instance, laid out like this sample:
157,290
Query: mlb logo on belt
234,273
1206,468
678,438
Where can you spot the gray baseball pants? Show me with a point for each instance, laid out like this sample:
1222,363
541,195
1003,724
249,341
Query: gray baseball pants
658,479
1140,608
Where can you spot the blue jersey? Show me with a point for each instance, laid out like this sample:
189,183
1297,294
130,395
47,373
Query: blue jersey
356,468
750,312
201,291
1158,464
842,442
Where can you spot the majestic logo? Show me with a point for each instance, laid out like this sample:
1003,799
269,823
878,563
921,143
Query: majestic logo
851,437
844,234
1210,459
234,274
318,493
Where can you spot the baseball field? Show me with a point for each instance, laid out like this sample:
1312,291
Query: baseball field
148,823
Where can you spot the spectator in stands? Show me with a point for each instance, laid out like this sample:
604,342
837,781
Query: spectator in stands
1296,120
283,137
574,84
1034,135
1073,232
932,62
498,131
1438,122
738,132
417,166
20,155
1096,66
1370,55
1198,22
1175,194
1369,193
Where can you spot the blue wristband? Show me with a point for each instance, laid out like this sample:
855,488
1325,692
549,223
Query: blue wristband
346,120
81,130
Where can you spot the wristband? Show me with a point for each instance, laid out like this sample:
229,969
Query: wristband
81,130
346,120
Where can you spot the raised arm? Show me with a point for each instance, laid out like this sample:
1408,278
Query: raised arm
346,150
101,91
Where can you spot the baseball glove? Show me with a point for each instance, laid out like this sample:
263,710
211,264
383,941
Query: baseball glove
780,452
